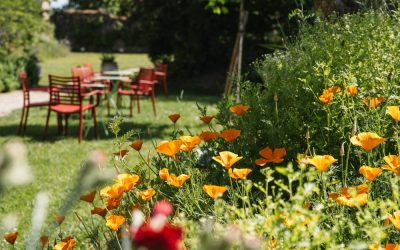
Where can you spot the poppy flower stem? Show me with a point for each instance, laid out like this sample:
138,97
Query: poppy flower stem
148,165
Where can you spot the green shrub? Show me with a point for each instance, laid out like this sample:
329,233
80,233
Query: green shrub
361,49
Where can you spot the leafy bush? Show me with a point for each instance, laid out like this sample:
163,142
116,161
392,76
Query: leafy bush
361,50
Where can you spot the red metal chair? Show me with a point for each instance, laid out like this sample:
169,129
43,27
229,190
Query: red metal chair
143,85
68,97
86,73
161,76
27,101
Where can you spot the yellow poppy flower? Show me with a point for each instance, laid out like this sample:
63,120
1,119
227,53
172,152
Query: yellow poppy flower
395,219
393,162
367,141
65,244
370,173
227,159
114,222
373,102
43,240
59,218
351,196
394,112
230,134
189,142
169,148
112,203
239,109
163,173
147,194
214,191
239,173
208,136
115,191
321,162
127,181
271,156
175,181
388,246
352,90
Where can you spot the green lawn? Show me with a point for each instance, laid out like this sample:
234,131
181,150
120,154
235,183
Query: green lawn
56,161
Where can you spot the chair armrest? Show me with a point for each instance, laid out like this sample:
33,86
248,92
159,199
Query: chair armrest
93,92
147,82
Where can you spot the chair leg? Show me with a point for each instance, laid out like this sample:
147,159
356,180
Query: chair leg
47,124
26,119
153,101
138,103
94,123
21,123
66,125
80,127
131,106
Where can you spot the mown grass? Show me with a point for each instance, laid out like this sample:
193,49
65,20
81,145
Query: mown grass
56,161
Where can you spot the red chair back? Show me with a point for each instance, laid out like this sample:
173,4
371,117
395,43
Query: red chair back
65,90
23,79
146,79
161,68
89,68
82,72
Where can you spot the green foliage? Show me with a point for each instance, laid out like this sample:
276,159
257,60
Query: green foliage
361,49
20,24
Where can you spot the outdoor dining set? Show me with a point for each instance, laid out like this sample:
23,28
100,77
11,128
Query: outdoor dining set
85,90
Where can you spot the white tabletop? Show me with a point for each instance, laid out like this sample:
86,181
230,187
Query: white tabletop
125,72
111,78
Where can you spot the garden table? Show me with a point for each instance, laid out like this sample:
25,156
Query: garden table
125,72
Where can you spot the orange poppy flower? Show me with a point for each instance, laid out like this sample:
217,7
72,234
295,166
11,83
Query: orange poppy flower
352,90
239,173
89,197
393,162
175,181
174,117
367,141
208,136
388,246
115,191
321,162
227,159
189,142
114,221
239,109
11,237
351,196
207,118
99,211
373,102
66,244
163,173
169,148
326,97
112,203
59,218
395,219
137,145
147,194
394,112
271,156
214,191
230,134
43,240
127,181
370,173
334,89
121,153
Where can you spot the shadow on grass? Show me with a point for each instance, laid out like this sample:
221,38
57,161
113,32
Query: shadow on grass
149,126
